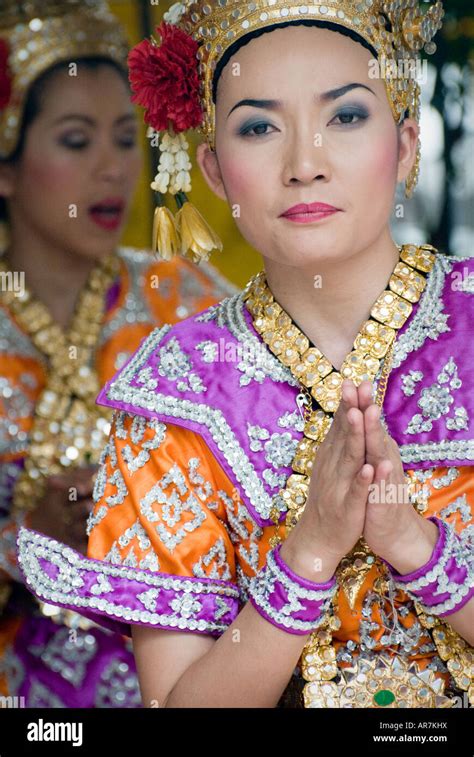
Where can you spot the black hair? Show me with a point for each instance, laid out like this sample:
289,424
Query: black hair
35,96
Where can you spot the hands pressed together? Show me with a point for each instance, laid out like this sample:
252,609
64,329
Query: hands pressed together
355,466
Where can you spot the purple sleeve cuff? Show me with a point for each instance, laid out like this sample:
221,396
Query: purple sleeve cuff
435,556
288,601
117,596
446,582
305,583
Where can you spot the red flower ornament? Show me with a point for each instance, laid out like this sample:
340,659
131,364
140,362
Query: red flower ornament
165,80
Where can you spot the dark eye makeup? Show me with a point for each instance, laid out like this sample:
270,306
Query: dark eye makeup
346,116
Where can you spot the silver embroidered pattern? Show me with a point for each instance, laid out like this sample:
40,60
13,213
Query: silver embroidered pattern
68,656
244,532
145,376
209,351
409,381
118,686
454,548
292,420
117,480
274,480
175,365
63,588
202,488
135,531
423,475
137,431
172,508
186,606
436,400
460,505
262,587
434,451
103,585
258,361
209,314
95,518
429,321
223,435
14,341
279,449
148,598
134,308
217,557
451,475
243,582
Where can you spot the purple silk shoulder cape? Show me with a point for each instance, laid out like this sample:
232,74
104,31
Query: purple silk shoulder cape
213,374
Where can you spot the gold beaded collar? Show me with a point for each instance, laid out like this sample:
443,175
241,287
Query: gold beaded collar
321,386
68,428
320,381
388,314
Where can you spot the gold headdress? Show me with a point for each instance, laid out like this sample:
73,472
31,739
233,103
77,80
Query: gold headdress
173,79
36,34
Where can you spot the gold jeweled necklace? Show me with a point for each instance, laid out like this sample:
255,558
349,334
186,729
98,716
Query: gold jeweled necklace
321,382
68,428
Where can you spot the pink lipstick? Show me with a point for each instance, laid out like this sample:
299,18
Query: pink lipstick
308,213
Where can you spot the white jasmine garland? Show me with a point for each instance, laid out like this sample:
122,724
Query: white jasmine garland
161,182
181,182
174,165
167,162
182,161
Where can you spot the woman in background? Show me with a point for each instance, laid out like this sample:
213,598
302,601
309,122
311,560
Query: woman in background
74,306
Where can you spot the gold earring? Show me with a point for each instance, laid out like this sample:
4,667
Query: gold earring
412,178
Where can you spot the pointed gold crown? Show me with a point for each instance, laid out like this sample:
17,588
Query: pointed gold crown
395,30
37,34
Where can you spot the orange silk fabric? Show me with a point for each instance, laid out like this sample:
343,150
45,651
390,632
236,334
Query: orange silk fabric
223,523
173,290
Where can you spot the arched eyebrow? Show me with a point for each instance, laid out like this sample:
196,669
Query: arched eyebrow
331,94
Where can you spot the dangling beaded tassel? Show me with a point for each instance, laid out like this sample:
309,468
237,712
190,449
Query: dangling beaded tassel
165,241
196,235
187,231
